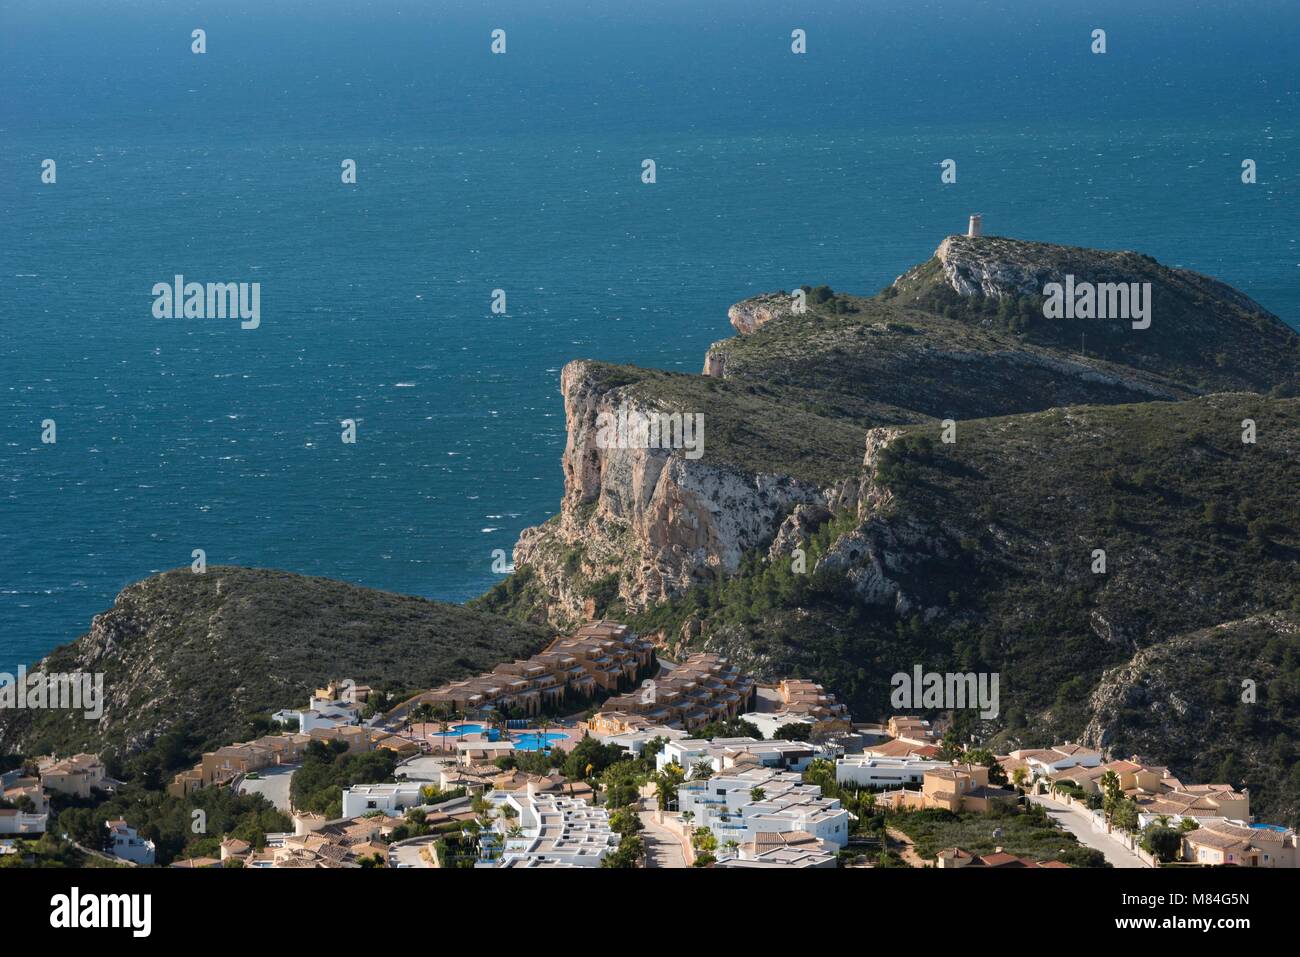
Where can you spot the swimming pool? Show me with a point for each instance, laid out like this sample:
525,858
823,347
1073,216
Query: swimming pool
460,730
1269,827
536,741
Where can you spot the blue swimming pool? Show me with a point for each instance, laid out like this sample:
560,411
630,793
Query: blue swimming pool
535,741
460,730
1269,827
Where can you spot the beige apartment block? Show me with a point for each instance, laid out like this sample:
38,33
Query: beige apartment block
601,656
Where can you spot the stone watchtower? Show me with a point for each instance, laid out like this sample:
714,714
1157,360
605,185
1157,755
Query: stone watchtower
976,227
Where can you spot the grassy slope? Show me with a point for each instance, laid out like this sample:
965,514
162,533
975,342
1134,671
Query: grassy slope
752,427
884,362
204,652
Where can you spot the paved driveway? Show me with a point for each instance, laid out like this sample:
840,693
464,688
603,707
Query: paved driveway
1079,823
273,784
663,848
408,855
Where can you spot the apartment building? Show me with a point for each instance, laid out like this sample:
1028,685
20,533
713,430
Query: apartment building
392,799
723,754
736,806
14,821
126,843
702,689
1132,775
1202,803
789,849
15,786
953,857
914,730
1158,793
76,776
867,771
801,702
226,763
557,829
1048,762
954,788
630,732
600,657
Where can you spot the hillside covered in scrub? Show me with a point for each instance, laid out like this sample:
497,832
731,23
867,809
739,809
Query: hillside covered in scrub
824,442
202,654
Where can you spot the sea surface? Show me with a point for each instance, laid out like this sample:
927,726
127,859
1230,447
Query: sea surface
521,172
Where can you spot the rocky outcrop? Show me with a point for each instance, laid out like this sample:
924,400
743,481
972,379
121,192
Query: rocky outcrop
715,363
997,268
797,529
750,315
878,557
656,519
979,267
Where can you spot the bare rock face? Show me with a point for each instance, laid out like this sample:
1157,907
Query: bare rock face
871,497
654,518
878,556
973,266
750,315
797,529
658,522
1166,684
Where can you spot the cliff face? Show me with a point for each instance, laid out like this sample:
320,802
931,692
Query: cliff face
655,518
752,314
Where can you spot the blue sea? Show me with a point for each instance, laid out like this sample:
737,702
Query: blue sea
521,172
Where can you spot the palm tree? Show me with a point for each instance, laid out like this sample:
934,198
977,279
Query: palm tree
1110,787
442,712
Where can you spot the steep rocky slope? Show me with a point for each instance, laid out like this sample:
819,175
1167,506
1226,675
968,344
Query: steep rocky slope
203,653
1221,702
